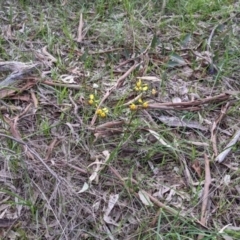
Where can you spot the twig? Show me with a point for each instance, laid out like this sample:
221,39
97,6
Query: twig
109,125
206,191
125,75
189,105
50,149
73,86
76,107
133,100
80,28
164,3
105,51
75,167
125,62
210,38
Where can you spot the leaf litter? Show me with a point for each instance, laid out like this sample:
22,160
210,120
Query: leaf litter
74,169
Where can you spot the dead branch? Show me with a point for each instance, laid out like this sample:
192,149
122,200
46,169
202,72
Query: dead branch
192,106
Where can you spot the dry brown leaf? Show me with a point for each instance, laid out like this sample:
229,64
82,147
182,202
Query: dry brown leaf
196,166
145,198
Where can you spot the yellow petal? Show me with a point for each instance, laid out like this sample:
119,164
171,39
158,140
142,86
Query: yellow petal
145,88
133,107
91,96
105,110
145,105
103,114
99,111
90,102
139,83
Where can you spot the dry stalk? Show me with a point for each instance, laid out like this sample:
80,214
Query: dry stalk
80,28
192,106
206,191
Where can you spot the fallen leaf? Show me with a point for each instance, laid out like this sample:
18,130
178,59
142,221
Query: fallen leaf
197,168
176,61
145,198
170,195
94,175
177,122
226,180
111,203
85,187
162,190
67,78
157,136
176,100
186,72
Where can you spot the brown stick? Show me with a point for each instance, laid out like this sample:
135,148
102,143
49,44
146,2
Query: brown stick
206,191
72,86
80,28
221,97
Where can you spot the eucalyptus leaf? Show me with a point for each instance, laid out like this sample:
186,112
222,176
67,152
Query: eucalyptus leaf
176,61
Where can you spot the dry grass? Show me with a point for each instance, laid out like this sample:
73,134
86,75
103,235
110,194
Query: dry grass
68,173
